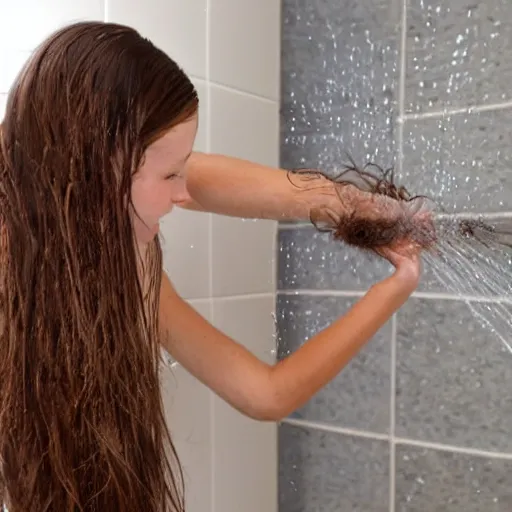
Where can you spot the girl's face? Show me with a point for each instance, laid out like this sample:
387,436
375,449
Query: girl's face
160,182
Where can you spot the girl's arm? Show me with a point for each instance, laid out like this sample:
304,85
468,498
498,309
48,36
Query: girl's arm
268,392
238,188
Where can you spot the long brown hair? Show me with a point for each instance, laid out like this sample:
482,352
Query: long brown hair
82,426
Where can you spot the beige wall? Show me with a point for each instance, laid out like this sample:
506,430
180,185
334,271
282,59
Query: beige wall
223,266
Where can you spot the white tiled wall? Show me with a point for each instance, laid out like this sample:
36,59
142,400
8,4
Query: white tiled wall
223,266
244,44
3,99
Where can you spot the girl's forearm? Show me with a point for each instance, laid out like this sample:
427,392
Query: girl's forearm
238,188
297,378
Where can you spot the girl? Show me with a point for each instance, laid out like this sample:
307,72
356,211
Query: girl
96,146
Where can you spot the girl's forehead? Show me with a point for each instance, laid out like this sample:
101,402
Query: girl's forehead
175,143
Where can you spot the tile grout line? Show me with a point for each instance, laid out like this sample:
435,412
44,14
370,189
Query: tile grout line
319,293
275,287
400,143
416,295
455,111
210,248
294,225
402,441
392,419
453,449
230,88
242,296
473,215
334,429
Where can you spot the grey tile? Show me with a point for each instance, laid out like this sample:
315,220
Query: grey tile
467,266
452,374
309,259
463,162
436,481
366,137
359,397
338,81
458,53
328,472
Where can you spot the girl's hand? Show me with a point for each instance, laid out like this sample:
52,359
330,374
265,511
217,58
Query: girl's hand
407,262
373,221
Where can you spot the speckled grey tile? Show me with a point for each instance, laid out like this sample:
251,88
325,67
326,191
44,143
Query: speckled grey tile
458,53
309,259
338,80
463,162
464,265
327,472
436,481
452,376
366,137
359,397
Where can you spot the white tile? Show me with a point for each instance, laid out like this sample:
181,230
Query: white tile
185,243
245,451
242,256
244,126
245,462
11,63
242,250
187,405
245,45
3,101
201,142
178,27
250,321
203,307
25,24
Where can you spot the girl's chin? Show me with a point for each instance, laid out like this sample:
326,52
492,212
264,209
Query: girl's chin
147,234
154,230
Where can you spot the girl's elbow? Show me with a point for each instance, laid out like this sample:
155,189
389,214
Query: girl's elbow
268,403
266,415
271,408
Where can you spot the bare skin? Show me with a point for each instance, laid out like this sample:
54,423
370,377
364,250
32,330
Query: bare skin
233,187
271,392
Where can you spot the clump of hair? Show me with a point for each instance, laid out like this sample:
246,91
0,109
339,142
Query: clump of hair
408,217
82,427
358,225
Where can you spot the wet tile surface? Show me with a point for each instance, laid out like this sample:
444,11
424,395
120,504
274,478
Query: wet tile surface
328,472
338,81
309,259
457,53
359,397
430,480
462,162
452,376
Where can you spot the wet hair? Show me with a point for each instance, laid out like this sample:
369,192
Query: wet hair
82,424
358,226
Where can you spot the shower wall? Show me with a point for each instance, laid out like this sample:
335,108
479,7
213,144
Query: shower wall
420,419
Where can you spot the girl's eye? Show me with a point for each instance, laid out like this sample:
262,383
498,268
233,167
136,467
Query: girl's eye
171,176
